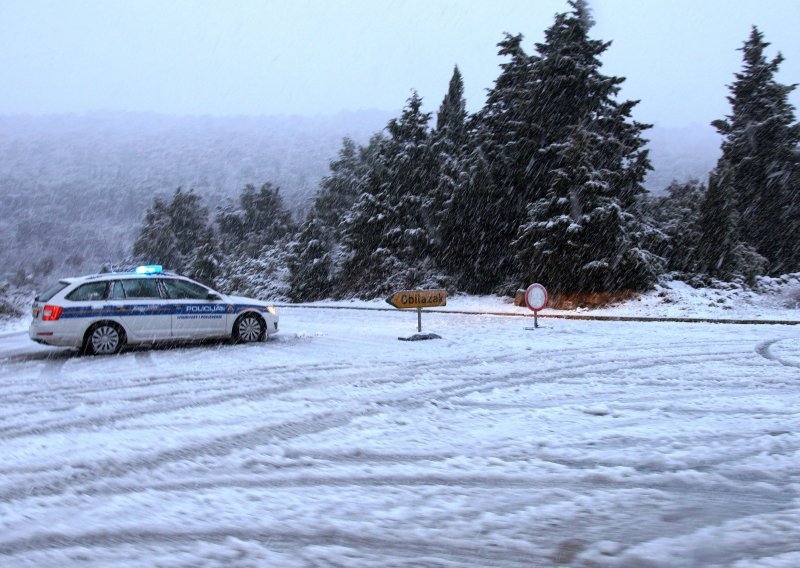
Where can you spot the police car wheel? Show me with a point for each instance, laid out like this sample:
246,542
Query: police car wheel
105,339
249,328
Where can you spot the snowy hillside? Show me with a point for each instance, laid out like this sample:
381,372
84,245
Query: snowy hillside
66,168
90,178
581,443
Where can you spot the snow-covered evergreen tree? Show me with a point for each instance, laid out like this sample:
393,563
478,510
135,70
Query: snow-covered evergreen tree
259,221
676,216
340,188
314,257
310,263
367,231
508,133
206,259
189,221
468,238
720,252
580,234
171,231
385,237
448,143
264,276
760,148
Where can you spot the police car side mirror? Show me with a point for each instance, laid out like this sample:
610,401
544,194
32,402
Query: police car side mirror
213,297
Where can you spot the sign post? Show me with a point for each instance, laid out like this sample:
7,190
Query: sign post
536,299
418,299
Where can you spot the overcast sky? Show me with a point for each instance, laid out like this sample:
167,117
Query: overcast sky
264,57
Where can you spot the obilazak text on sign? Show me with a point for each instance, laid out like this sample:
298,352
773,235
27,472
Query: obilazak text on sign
419,298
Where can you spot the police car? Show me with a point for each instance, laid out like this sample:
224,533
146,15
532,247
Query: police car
101,313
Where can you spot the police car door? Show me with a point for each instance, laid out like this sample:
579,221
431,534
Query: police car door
194,313
141,308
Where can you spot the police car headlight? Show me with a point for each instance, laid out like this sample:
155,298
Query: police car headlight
272,310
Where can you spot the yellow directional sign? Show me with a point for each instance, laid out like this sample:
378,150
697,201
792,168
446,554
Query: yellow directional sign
418,298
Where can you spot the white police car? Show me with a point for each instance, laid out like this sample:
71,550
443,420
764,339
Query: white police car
102,312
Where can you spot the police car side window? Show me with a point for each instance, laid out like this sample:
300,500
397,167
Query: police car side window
117,291
141,288
88,292
183,290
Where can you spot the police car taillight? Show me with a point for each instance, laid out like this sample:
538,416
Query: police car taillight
51,313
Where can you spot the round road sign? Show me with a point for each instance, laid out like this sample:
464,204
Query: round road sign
536,297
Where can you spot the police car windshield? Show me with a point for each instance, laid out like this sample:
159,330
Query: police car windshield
51,291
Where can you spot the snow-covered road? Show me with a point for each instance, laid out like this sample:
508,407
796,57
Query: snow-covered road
335,444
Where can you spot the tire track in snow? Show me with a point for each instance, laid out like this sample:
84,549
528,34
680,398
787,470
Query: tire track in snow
99,420
465,553
79,386
764,347
463,388
276,433
111,468
294,382
178,379
582,482
272,434
579,371
698,508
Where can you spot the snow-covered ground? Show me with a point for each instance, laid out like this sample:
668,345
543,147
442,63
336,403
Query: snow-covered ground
581,443
771,299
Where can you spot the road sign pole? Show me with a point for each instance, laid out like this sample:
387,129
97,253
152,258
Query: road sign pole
536,299
418,299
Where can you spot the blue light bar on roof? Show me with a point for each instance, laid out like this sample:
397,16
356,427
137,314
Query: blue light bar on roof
149,269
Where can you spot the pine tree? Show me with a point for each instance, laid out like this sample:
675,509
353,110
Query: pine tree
264,216
310,263
467,236
507,131
156,242
340,189
721,252
448,144
259,221
369,262
406,181
676,216
790,221
311,277
172,231
580,234
719,228
188,221
384,234
760,148
206,260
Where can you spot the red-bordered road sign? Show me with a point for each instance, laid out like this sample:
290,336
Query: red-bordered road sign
536,297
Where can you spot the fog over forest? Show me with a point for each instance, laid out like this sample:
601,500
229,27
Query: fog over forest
93,176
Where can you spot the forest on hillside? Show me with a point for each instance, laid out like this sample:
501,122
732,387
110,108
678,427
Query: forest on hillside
90,178
545,182
76,187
